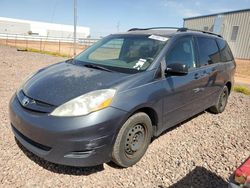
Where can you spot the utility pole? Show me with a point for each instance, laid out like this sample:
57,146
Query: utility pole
75,22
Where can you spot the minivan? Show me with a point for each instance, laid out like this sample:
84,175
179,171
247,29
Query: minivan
108,102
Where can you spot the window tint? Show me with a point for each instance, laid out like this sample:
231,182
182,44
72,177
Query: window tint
226,54
234,33
182,52
136,49
209,52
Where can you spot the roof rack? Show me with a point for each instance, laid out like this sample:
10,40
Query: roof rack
179,29
152,28
183,29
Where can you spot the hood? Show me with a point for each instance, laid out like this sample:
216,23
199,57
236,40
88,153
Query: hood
61,82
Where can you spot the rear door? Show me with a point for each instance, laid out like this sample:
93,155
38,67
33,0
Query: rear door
211,68
183,94
227,59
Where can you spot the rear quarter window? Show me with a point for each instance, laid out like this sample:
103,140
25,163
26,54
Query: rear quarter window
208,51
225,52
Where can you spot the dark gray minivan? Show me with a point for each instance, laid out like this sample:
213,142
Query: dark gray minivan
109,101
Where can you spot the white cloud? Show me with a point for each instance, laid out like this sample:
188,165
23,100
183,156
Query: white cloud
182,9
218,10
190,13
193,8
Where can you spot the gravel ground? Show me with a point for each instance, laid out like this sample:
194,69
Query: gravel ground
202,152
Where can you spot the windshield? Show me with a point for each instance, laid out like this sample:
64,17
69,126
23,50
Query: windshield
123,53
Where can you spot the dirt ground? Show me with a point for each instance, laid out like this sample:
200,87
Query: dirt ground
242,75
201,152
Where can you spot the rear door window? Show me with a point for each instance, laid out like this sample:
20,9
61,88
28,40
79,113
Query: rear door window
225,52
208,51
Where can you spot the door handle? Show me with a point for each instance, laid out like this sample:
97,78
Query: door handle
196,76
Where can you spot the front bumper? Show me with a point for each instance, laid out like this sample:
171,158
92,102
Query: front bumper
74,141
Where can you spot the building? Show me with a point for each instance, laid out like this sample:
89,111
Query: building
234,26
27,27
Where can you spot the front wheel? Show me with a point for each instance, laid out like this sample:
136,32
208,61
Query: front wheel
221,103
132,140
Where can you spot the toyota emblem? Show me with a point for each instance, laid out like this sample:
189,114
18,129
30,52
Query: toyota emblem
25,101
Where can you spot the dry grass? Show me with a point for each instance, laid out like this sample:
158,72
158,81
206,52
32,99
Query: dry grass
242,89
47,52
61,48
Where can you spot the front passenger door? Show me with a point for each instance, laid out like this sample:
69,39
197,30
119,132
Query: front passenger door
183,93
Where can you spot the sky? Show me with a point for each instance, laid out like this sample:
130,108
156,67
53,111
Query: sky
109,16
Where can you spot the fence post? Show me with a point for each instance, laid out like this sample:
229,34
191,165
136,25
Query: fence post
59,46
15,40
40,44
26,43
7,39
44,42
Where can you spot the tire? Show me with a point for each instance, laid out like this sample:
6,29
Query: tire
132,140
221,102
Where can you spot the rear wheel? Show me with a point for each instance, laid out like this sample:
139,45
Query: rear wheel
132,140
221,103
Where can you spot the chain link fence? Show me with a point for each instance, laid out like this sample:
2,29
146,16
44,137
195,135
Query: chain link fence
62,46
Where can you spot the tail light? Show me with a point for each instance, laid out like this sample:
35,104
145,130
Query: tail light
242,174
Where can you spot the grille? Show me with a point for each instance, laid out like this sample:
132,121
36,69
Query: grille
34,105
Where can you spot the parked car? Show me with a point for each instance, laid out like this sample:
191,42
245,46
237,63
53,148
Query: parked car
109,101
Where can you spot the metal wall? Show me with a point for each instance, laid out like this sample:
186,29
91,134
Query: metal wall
241,46
18,26
64,34
14,27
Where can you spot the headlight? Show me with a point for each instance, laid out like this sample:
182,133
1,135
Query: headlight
84,104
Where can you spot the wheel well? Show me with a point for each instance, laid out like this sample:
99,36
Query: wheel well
151,113
229,86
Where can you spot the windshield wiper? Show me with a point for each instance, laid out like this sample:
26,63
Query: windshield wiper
97,67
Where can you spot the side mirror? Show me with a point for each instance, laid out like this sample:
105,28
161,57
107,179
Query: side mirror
176,69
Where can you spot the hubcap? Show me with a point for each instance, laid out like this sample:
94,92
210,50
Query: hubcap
223,100
134,139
